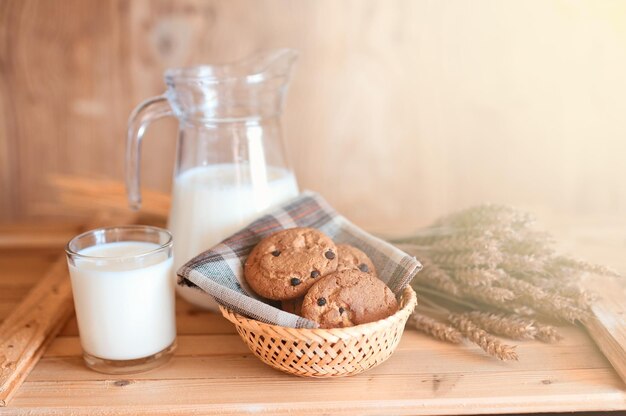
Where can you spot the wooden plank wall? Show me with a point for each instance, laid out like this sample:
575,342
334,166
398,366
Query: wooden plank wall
398,109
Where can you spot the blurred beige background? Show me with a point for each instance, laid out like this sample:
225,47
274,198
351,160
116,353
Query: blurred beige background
399,111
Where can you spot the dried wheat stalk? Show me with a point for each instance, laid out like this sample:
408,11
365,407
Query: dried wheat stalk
490,344
433,276
525,291
435,329
483,242
551,303
491,295
490,259
547,333
530,243
566,262
564,287
485,216
562,309
455,260
581,298
473,276
510,326
520,264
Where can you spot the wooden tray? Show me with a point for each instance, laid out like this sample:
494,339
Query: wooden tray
213,372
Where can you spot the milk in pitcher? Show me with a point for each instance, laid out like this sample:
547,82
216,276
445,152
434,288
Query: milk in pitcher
212,202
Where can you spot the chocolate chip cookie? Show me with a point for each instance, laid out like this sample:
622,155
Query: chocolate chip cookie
351,258
286,264
347,298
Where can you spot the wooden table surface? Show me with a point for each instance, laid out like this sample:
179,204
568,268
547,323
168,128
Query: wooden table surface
213,371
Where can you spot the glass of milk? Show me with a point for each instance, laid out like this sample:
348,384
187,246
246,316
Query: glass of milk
124,297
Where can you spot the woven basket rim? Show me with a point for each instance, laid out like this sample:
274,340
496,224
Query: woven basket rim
408,298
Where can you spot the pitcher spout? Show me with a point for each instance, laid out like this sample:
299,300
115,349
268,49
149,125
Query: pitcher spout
251,88
262,66
269,65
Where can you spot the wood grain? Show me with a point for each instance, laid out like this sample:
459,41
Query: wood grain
225,356
9,189
608,329
34,240
421,394
222,365
25,334
62,68
398,109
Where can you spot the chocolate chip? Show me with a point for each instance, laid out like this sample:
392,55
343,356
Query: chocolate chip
321,302
295,281
315,274
276,253
363,267
329,255
341,310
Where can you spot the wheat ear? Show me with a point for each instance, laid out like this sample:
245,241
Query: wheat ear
506,325
435,329
483,242
487,215
473,276
567,289
566,262
549,303
490,344
433,276
490,295
459,260
547,333
517,264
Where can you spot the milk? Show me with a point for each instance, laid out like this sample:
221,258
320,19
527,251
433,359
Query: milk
212,202
124,307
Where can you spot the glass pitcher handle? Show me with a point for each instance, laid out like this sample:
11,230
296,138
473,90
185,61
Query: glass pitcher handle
145,113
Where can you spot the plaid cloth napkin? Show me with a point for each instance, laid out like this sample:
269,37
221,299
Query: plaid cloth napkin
219,270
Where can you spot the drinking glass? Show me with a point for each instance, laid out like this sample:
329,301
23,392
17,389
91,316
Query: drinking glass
124,297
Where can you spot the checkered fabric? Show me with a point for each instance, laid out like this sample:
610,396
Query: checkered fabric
219,270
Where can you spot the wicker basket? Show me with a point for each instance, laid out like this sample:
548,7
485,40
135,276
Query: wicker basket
336,352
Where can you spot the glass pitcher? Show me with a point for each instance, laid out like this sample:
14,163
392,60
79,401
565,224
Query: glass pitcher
230,162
